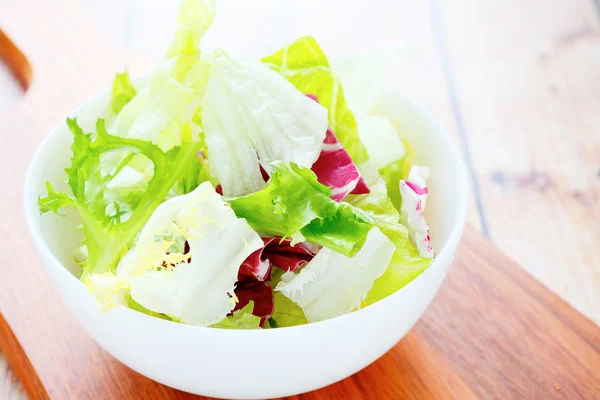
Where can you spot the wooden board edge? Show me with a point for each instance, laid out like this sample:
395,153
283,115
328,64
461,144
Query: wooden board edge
17,62
20,364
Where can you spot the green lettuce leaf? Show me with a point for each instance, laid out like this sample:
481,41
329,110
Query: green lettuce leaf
122,93
193,19
134,305
286,313
396,171
406,263
294,204
304,64
240,319
108,234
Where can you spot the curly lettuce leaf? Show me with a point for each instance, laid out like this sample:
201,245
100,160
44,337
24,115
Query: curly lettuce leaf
333,284
108,235
192,283
294,204
251,114
304,64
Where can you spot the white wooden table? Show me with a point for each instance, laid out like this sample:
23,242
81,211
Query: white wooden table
518,86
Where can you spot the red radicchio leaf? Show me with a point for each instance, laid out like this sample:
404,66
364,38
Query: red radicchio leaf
256,270
285,256
335,168
253,277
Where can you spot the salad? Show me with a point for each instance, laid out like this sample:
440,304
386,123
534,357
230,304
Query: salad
242,194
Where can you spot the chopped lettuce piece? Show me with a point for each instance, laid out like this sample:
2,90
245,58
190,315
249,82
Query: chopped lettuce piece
406,263
162,113
414,200
121,94
253,284
396,171
304,64
333,284
107,236
286,313
293,202
254,276
134,305
335,169
243,318
165,112
251,114
195,286
287,256
381,139
193,19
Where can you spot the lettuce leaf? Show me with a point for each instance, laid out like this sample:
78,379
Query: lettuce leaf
304,64
193,20
295,205
282,254
134,305
194,284
381,140
414,201
406,263
162,113
333,284
240,319
252,114
396,171
286,313
108,235
122,92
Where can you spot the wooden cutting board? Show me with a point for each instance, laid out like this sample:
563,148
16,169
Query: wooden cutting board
492,332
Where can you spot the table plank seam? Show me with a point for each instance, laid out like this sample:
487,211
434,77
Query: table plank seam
443,51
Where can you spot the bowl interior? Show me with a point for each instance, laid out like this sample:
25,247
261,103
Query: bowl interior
446,207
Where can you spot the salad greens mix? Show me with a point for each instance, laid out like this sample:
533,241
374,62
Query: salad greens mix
242,194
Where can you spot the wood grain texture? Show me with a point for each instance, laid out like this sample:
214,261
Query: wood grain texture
10,389
527,79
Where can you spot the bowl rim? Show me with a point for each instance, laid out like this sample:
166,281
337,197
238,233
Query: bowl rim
58,267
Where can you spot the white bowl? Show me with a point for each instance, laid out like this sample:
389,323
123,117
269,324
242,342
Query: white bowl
249,363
